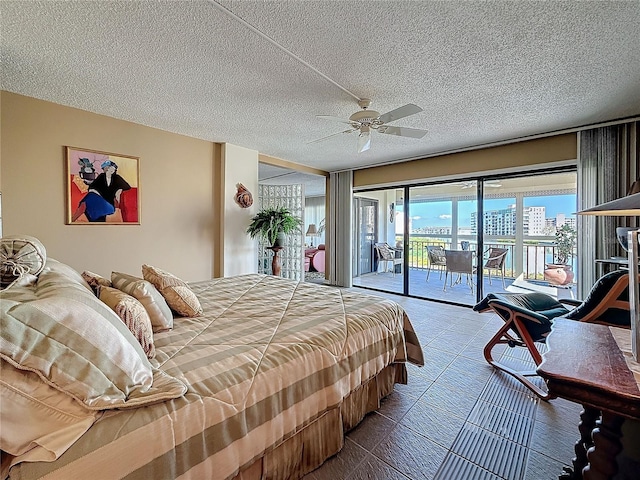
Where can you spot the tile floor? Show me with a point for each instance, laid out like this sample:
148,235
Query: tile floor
457,418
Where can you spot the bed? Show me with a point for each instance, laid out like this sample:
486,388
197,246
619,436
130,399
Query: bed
275,373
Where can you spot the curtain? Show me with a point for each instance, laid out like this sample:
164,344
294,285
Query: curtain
608,163
314,212
339,234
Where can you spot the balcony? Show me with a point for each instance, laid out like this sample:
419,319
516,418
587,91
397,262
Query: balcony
526,261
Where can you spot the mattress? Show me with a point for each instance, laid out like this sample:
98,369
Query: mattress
268,358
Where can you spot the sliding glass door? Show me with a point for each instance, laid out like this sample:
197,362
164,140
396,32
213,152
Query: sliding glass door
378,245
457,241
524,222
442,246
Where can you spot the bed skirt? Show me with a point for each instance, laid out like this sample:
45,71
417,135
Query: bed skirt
312,445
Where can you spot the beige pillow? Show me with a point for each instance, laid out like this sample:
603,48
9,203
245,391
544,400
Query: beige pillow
77,344
19,255
95,281
153,302
175,291
37,419
134,316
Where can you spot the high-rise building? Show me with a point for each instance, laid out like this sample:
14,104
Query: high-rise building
504,221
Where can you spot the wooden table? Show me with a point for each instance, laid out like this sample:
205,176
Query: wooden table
584,364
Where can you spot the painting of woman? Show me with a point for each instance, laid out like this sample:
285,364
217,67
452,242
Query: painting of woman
101,200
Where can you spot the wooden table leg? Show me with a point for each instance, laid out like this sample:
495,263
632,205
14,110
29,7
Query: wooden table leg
588,418
606,447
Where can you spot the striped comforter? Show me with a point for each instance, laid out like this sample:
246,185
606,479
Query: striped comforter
268,357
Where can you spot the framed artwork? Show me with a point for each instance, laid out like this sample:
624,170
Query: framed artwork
102,188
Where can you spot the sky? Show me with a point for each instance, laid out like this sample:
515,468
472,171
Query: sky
438,214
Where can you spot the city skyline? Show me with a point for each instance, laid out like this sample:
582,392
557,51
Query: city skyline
438,214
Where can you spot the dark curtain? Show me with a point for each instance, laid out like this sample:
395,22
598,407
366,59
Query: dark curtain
608,163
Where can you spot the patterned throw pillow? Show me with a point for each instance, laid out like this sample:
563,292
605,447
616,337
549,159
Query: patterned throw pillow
153,302
175,291
95,281
134,316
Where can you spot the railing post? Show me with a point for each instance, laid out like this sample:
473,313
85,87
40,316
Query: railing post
518,251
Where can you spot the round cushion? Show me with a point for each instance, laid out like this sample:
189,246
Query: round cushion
19,255
318,261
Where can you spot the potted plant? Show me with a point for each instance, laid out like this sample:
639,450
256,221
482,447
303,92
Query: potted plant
560,272
272,224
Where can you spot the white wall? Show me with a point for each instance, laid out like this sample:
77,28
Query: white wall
240,165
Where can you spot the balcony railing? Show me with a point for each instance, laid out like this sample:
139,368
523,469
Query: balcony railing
536,253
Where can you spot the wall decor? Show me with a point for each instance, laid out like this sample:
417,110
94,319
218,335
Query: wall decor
243,196
102,188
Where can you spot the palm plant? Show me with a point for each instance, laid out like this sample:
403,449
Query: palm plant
270,222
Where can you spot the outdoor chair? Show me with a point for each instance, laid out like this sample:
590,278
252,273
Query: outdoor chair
528,319
460,262
436,259
389,255
496,261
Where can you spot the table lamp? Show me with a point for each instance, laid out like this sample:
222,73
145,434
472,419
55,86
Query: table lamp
312,231
625,207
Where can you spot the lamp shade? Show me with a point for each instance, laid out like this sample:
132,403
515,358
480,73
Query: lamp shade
312,231
623,207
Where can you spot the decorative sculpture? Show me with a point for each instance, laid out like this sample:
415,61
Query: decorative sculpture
243,196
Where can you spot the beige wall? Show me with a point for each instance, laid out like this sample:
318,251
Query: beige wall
177,178
539,152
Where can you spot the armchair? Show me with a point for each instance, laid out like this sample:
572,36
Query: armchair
528,319
388,254
460,262
496,261
437,259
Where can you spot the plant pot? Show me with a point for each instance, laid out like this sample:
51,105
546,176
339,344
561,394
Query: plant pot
558,274
279,240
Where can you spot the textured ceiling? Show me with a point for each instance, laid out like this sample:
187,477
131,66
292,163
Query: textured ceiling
482,71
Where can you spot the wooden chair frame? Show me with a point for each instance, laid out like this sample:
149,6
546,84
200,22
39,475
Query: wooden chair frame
516,319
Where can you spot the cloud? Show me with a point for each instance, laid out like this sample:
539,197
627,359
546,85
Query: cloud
444,217
417,217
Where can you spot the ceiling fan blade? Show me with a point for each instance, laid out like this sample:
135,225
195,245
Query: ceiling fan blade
334,119
402,131
399,113
329,136
364,141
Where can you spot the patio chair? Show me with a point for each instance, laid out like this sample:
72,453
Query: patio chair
460,262
496,261
528,319
436,259
389,255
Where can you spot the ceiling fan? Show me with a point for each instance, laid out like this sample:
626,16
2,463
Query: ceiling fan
487,184
366,120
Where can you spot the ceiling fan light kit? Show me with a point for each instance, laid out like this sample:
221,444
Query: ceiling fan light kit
366,120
